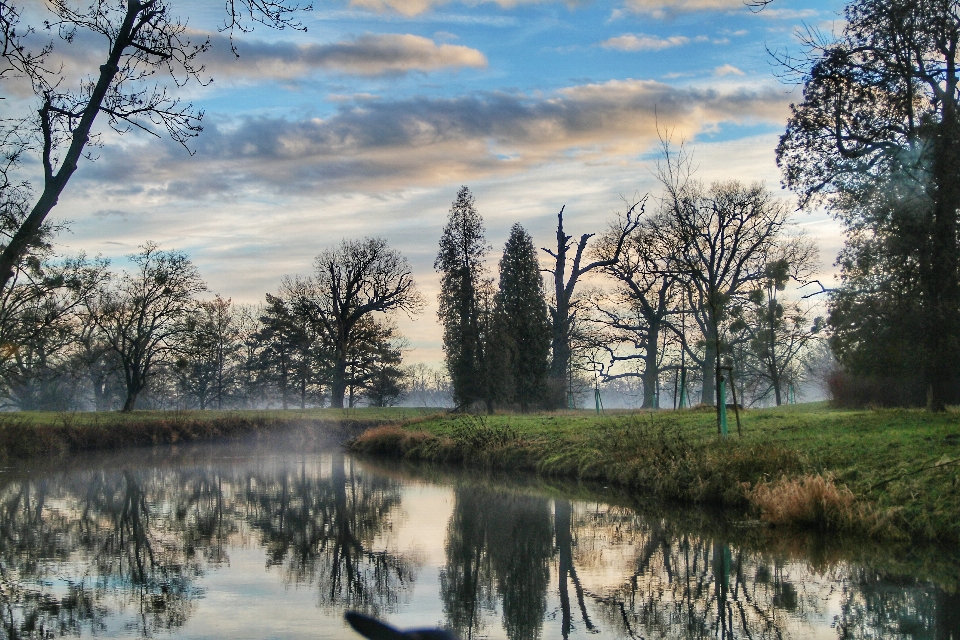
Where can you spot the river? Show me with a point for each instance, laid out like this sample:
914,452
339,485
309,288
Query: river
230,541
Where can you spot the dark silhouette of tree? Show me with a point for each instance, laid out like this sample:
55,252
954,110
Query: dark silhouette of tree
564,309
877,137
205,353
285,348
142,39
39,332
521,323
144,316
375,366
351,283
638,312
462,313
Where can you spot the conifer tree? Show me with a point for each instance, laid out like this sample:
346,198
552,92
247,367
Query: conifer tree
461,263
522,323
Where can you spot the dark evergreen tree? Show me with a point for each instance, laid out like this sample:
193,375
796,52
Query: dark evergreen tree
460,261
522,322
285,352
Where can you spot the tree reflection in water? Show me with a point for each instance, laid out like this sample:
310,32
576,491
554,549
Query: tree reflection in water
320,529
122,552
499,546
79,549
622,575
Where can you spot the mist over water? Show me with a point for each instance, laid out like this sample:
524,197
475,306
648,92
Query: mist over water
256,542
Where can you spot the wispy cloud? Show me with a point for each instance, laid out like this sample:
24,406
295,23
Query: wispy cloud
631,42
417,7
666,8
787,14
368,55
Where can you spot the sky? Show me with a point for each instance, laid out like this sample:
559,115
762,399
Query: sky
368,122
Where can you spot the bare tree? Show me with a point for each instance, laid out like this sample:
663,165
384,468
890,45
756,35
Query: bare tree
637,313
144,315
351,281
724,234
142,38
564,309
776,331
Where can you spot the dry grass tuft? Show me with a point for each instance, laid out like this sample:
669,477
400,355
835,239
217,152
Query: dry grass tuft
391,441
809,501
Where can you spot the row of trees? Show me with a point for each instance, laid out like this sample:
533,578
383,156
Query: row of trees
76,335
689,281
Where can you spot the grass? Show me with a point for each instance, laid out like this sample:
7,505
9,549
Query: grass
882,473
31,434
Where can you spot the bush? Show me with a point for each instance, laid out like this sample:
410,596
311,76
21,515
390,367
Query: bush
852,391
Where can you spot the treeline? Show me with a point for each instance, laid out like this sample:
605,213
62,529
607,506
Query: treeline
676,292
77,335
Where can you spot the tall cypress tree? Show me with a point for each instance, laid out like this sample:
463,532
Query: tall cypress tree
522,321
460,261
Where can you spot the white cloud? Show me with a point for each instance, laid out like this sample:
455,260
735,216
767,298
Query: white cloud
631,42
727,70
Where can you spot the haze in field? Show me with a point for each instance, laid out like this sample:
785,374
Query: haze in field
369,121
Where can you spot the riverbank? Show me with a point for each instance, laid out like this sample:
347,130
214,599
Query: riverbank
31,434
883,473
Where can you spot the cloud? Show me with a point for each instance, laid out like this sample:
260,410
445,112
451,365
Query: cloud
388,145
368,55
666,8
417,7
787,14
727,70
631,42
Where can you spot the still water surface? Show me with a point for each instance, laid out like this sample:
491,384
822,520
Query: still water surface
228,542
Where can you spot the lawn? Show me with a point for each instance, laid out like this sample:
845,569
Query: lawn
883,472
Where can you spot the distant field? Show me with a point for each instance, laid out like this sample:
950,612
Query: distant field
882,472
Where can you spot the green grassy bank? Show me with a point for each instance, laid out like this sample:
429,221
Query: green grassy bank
32,434
882,473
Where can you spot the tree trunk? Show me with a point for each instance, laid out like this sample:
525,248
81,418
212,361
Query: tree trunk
338,384
709,392
651,372
561,522
131,400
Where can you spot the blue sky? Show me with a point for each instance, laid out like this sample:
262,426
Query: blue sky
368,123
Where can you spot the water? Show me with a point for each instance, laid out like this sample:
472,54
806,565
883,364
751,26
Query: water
233,542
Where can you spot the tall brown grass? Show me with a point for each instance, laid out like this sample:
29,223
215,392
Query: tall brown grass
808,501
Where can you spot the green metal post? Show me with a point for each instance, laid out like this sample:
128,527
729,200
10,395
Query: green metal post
723,406
683,388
